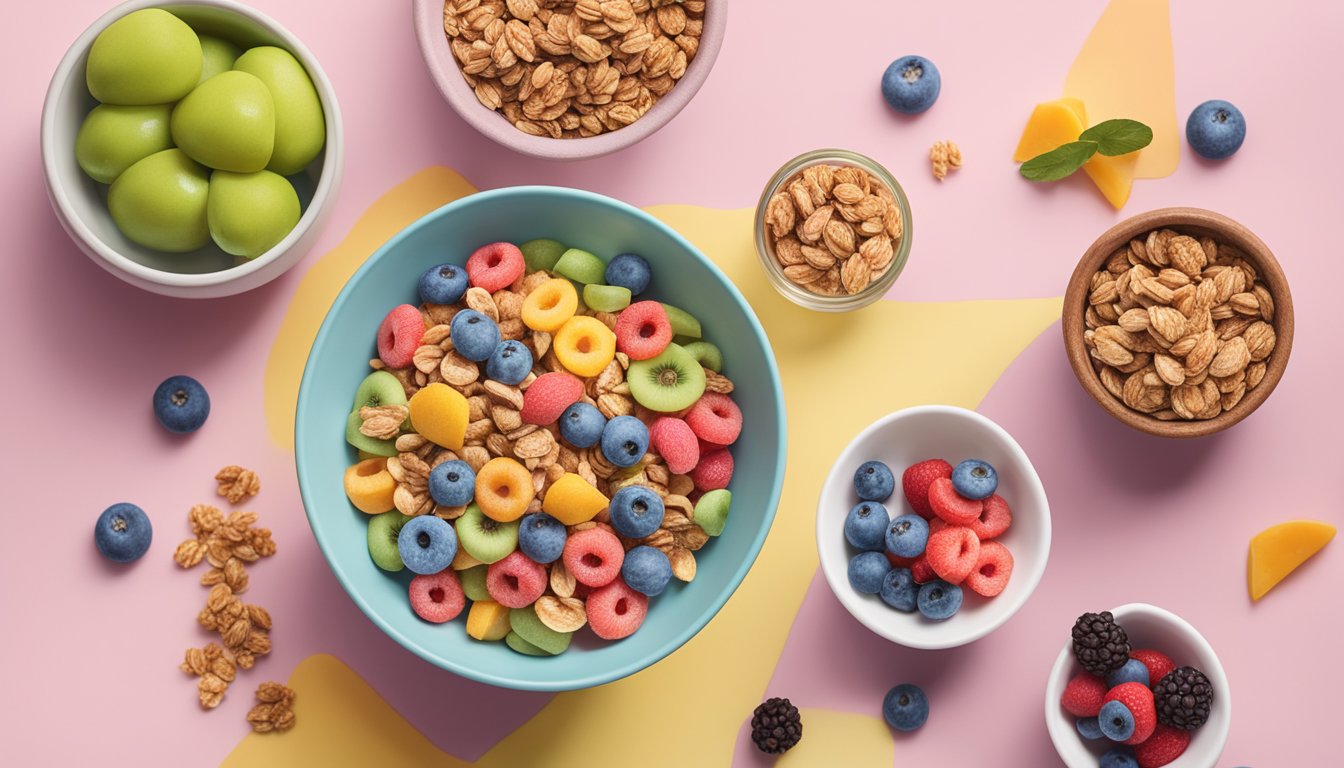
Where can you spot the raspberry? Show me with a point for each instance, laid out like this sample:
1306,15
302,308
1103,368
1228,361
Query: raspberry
1163,747
994,518
1157,662
917,479
992,570
673,439
1139,700
515,581
921,570
952,506
594,556
714,470
615,611
953,553
495,266
399,335
715,418
1084,695
643,330
549,396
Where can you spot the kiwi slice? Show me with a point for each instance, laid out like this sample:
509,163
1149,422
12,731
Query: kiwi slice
383,532
581,267
473,582
379,388
606,298
706,354
669,382
517,643
683,322
484,539
542,253
365,443
525,622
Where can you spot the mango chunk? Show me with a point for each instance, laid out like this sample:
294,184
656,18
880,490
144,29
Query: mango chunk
488,620
1058,122
1278,551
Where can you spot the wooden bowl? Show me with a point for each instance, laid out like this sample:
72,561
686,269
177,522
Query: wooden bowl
1199,223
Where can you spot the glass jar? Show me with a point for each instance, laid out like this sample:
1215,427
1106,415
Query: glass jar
774,266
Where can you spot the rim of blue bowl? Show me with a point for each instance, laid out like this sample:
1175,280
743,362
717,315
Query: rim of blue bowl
677,640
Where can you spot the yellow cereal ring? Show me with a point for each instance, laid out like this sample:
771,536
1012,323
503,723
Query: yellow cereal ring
370,486
550,304
504,489
571,500
488,620
440,414
584,345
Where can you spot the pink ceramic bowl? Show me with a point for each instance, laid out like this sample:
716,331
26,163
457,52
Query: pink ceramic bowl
444,68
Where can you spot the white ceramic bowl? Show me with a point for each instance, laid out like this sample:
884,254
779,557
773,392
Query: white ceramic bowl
913,435
1147,627
81,203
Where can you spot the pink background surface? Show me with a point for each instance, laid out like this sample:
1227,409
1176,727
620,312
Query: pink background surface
1135,518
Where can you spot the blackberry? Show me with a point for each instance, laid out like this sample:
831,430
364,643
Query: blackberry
1099,644
1183,698
776,726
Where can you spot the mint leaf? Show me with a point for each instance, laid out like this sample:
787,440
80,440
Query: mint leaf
1059,162
1118,137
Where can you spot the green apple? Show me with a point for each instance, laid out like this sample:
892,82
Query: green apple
249,213
227,123
146,57
300,127
217,55
160,202
113,138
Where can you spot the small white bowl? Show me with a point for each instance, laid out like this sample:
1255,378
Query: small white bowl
1147,627
913,435
81,203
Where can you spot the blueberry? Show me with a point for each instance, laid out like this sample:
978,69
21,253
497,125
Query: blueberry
911,84
646,570
444,284
1116,721
1215,129
939,600
873,481
866,526
1119,757
629,270
975,479
181,404
899,590
474,335
867,570
636,511
509,363
624,441
907,536
1089,728
541,537
581,425
452,483
427,544
122,533
1134,671
905,707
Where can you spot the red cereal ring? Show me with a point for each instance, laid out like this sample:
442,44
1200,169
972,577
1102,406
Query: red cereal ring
594,556
616,611
495,266
515,581
715,418
643,330
399,336
437,597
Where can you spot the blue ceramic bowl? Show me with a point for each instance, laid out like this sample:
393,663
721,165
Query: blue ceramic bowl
682,276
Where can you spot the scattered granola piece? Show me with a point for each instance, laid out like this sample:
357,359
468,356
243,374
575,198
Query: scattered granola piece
946,157
236,483
275,712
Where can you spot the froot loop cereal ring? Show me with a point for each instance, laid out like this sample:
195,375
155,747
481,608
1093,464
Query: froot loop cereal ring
953,553
516,581
676,442
951,506
616,611
643,330
992,569
550,305
437,597
714,471
495,266
370,486
548,397
504,489
594,556
715,418
399,335
994,519
584,345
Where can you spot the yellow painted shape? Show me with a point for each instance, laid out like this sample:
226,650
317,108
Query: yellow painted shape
1058,122
740,648
1278,551
1126,68
833,739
